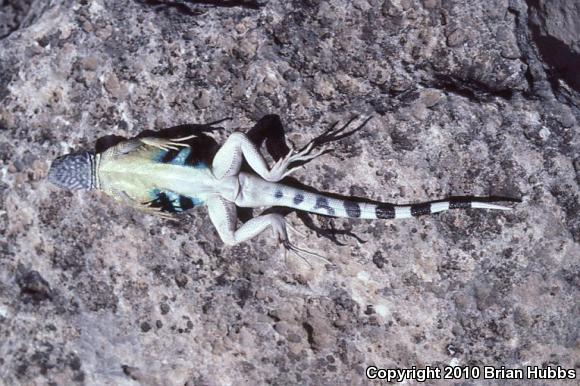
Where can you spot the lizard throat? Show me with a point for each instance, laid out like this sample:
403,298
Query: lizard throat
95,162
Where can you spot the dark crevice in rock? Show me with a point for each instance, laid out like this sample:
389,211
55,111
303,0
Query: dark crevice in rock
7,70
165,5
561,57
470,89
252,4
563,62
16,14
549,60
130,372
33,287
12,13
570,202
187,7
527,50
310,333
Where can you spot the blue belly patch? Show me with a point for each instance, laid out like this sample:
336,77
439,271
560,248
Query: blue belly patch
183,157
172,202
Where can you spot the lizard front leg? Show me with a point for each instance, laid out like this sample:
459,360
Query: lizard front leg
130,145
166,144
228,160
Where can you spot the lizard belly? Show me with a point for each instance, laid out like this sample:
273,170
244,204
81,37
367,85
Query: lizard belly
139,179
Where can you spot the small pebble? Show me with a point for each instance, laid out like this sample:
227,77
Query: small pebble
456,38
112,85
430,4
145,327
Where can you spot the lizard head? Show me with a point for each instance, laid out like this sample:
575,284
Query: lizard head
73,171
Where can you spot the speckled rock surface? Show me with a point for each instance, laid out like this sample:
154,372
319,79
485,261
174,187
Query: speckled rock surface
465,101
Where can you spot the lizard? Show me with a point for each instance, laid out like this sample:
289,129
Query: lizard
165,176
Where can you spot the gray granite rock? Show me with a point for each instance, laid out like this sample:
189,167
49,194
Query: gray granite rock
465,100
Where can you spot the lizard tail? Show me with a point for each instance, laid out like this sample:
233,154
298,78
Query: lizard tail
318,203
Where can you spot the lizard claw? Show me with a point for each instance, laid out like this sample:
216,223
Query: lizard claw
183,138
301,234
335,134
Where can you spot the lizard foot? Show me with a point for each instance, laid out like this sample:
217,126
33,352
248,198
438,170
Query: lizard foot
279,226
147,208
301,253
335,133
280,169
165,144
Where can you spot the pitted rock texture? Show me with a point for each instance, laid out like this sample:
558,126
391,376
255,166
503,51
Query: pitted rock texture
465,101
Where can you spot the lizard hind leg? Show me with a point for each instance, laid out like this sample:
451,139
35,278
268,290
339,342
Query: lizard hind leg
228,159
222,214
